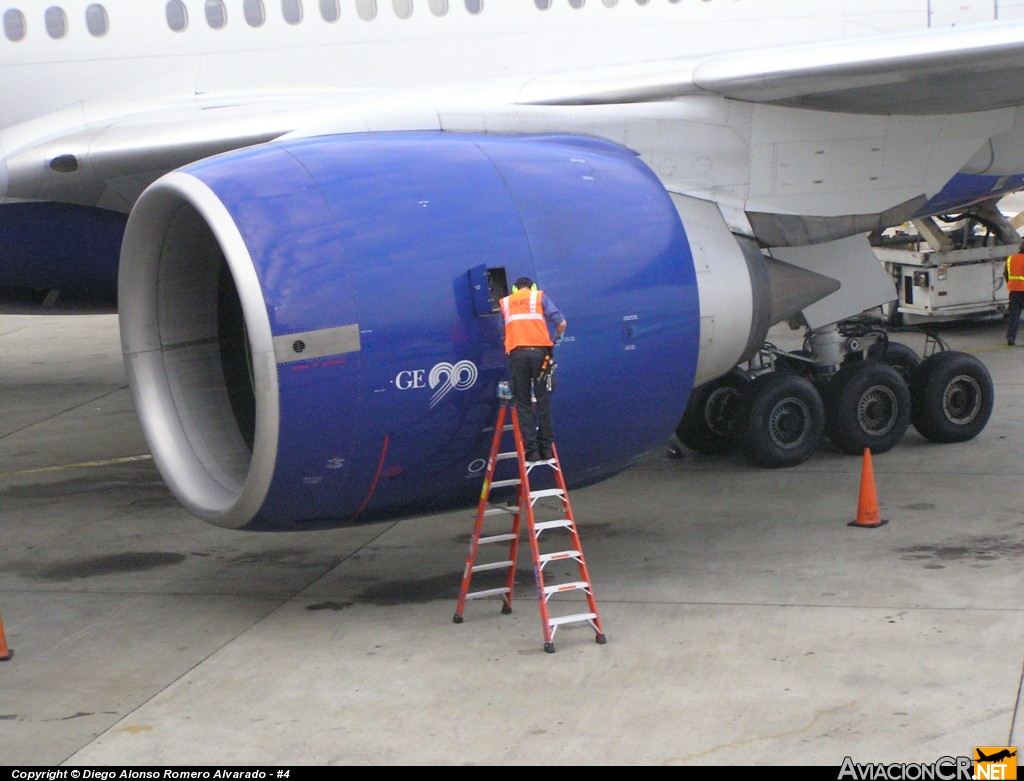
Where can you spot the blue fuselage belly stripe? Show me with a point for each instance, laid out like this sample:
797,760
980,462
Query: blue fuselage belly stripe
61,247
965,189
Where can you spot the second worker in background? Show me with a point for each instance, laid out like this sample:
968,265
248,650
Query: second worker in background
527,313
1014,276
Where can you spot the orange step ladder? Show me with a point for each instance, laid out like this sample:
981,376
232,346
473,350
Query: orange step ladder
525,502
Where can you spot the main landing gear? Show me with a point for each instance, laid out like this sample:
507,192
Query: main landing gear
849,384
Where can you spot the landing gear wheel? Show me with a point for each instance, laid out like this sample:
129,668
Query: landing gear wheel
868,406
791,362
709,423
900,357
783,420
952,397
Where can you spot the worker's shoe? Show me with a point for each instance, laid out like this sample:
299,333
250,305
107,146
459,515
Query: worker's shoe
532,455
546,454
1011,342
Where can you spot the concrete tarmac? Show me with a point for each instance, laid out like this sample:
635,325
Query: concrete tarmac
748,623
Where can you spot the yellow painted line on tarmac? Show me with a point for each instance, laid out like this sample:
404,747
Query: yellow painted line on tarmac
991,349
84,465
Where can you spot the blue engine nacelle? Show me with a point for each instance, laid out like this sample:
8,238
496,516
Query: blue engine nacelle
308,343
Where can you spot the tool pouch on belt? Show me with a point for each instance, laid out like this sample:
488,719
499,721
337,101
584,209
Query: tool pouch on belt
547,370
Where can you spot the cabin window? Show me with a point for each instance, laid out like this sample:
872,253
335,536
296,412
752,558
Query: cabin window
14,25
96,20
254,12
330,10
56,22
610,3
543,5
576,3
438,7
367,9
642,2
474,6
216,13
292,11
403,8
177,15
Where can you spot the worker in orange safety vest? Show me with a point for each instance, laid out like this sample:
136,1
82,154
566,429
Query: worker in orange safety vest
1014,275
527,313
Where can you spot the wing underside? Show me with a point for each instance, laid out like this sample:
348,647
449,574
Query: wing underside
955,70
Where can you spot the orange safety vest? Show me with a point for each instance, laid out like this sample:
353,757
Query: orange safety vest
1015,272
525,325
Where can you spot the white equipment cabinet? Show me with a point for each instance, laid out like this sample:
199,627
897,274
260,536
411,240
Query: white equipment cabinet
935,283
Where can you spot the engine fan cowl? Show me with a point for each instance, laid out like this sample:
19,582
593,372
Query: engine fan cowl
299,331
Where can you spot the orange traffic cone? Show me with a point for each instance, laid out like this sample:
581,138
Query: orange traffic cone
867,508
5,652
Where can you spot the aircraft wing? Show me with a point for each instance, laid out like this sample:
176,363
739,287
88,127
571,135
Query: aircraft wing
956,70
115,155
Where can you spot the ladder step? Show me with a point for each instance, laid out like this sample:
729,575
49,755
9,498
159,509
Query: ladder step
546,462
492,565
561,523
491,592
496,538
546,492
506,456
559,556
505,483
496,509
576,585
570,619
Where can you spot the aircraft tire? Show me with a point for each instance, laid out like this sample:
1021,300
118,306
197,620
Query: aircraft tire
902,358
783,420
867,406
709,424
787,362
952,397
899,356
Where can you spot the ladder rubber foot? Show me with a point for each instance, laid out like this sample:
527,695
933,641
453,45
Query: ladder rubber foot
601,639
549,648
7,656
505,610
456,619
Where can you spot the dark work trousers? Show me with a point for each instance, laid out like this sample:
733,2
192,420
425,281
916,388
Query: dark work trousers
525,363
1016,305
